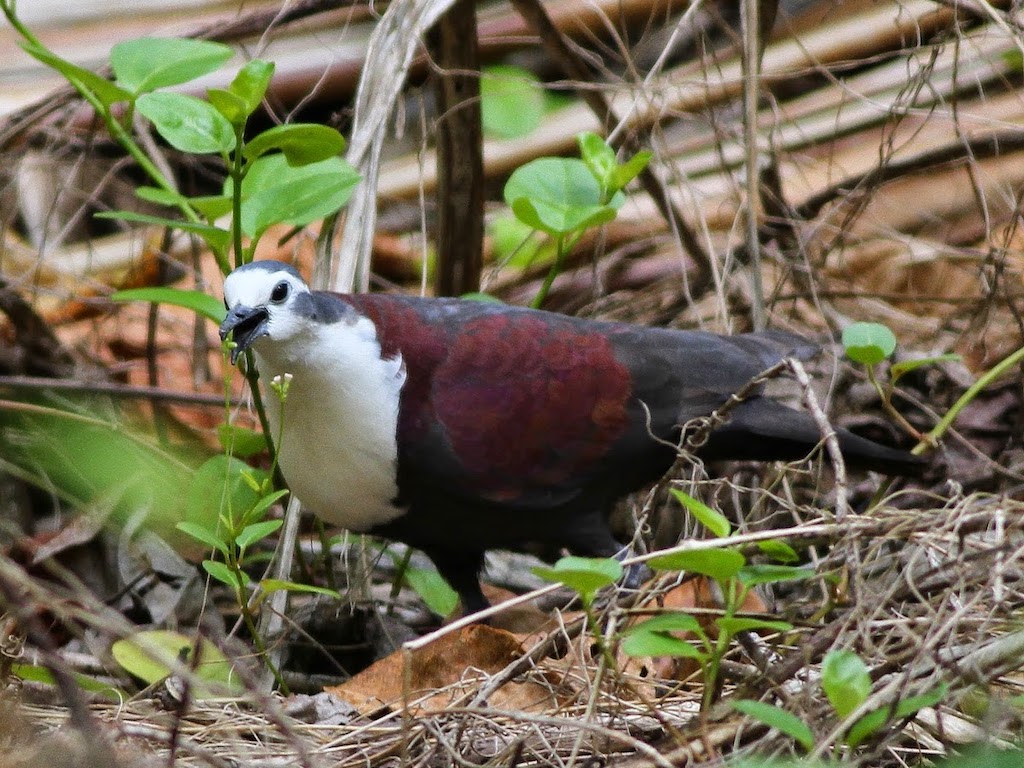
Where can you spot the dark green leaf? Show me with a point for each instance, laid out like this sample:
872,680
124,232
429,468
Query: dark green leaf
845,680
241,441
779,719
511,101
201,303
187,123
148,63
719,564
585,575
257,531
558,196
873,721
752,575
714,521
868,343
107,92
203,534
433,589
300,143
275,192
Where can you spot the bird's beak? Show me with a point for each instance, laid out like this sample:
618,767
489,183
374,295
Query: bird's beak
246,324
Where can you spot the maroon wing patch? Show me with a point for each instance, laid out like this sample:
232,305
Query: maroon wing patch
527,403
522,402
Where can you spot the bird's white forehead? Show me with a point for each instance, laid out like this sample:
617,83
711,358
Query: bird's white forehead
252,287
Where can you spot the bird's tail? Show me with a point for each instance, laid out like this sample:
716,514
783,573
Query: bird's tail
762,429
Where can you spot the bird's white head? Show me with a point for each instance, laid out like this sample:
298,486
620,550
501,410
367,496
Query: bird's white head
265,299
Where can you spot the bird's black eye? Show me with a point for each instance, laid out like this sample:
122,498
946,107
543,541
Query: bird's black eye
280,292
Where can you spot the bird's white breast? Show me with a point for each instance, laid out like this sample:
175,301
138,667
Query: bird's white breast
337,430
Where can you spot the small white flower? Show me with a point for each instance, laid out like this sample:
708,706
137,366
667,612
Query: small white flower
279,385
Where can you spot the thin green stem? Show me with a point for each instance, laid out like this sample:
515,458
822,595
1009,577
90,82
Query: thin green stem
983,381
236,195
564,243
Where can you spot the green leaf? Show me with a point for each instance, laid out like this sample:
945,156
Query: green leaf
515,244
251,83
483,298
599,158
752,575
653,637
210,206
148,63
845,680
275,192
224,574
779,719
265,503
558,196
257,531
671,621
714,521
985,755
150,656
778,550
300,143
897,370
585,575
868,343
720,564
229,104
216,237
220,489
39,674
629,170
433,589
201,303
187,123
207,536
82,79
278,585
511,101
735,624
873,721
661,644
241,441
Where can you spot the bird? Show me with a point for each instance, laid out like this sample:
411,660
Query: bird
459,426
